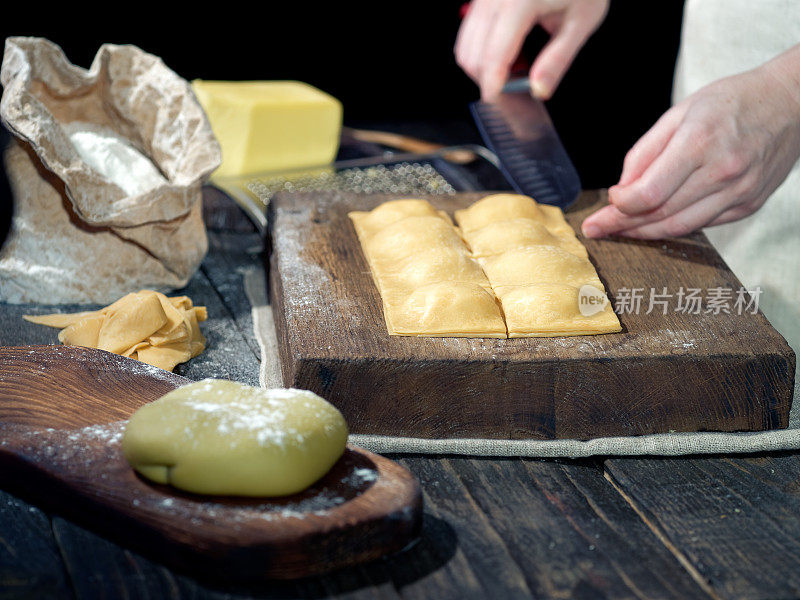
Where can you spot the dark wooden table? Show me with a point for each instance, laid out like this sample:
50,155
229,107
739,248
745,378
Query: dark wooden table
692,527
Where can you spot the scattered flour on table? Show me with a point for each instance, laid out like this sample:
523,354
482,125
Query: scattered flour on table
312,283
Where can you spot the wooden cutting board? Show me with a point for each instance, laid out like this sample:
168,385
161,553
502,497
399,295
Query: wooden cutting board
62,414
665,372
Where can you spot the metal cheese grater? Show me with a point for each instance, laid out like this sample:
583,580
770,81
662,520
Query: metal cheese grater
391,173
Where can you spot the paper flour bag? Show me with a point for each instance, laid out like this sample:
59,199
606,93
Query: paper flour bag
106,174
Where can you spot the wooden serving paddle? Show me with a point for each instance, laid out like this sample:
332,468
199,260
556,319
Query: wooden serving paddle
62,414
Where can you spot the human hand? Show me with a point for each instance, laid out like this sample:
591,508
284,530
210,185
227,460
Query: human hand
491,37
713,158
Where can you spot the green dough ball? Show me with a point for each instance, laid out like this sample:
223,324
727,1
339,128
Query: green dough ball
222,437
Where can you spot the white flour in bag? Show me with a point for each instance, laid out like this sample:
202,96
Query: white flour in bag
114,157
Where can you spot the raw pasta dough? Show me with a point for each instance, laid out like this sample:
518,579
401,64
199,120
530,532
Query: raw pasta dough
146,326
223,437
512,268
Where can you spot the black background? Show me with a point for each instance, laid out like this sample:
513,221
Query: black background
392,64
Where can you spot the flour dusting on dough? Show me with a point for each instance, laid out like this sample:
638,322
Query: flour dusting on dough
266,417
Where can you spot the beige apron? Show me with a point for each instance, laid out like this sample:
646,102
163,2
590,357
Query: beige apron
722,38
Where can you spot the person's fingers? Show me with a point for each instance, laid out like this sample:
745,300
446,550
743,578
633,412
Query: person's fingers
666,174
603,222
649,146
462,43
697,186
493,32
736,213
503,43
472,36
684,222
460,47
556,57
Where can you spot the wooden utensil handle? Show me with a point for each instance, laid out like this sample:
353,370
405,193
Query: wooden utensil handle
407,143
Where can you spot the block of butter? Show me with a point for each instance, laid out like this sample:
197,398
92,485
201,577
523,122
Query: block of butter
270,125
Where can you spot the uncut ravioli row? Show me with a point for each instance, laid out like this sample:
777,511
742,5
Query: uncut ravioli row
513,268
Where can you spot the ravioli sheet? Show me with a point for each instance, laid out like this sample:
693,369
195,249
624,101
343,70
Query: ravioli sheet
512,268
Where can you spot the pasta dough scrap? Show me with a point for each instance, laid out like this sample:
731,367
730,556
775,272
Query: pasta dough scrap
551,309
130,322
223,437
145,325
84,332
59,320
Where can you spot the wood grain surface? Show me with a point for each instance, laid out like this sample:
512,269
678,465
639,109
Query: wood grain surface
62,415
665,372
